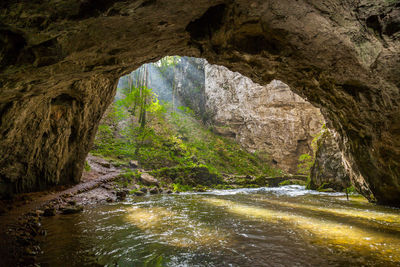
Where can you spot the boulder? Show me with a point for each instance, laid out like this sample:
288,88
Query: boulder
148,180
133,164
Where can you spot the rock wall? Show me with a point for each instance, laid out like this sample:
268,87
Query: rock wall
269,119
342,55
329,169
44,138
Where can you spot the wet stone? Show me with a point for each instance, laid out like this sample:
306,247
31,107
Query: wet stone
121,195
49,212
154,190
144,189
71,209
72,202
139,193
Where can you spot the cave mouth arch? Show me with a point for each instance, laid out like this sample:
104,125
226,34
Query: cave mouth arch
270,122
326,53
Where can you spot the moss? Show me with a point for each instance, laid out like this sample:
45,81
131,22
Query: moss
309,183
198,175
323,186
87,166
128,177
326,190
250,186
350,190
292,182
261,181
177,187
178,148
133,191
223,186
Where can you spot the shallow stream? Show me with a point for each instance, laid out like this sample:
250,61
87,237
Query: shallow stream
286,226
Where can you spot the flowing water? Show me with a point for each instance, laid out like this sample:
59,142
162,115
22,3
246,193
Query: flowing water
286,226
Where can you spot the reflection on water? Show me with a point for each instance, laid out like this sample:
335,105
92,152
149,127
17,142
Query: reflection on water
172,228
286,226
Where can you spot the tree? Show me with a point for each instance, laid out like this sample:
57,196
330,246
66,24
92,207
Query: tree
141,105
166,63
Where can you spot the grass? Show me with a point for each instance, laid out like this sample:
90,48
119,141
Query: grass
177,140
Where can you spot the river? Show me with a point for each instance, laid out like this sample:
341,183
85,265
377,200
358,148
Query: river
285,226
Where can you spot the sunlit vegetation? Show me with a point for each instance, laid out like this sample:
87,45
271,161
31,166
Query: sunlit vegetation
306,161
87,166
168,137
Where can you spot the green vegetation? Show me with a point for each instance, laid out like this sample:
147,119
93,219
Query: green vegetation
173,138
325,187
170,140
182,188
87,166
350,190
292,182
128,176
305,164
306,161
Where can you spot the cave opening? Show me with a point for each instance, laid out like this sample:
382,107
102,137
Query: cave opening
181,112
188,187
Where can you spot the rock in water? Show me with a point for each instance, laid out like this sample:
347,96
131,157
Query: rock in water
328,170
121,195
139,193
71,209
49,212
154,190
144,189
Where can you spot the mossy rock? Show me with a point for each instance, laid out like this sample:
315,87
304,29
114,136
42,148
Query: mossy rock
192,176
261,181
224,186
292,182
327,190
326,187
323,187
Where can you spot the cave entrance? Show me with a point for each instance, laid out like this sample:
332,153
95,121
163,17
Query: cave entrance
184,112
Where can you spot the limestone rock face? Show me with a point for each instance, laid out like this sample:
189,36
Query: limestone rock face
342,55
329,167
45,138
269,119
